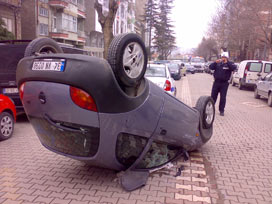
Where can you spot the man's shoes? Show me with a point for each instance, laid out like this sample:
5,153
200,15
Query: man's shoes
221,113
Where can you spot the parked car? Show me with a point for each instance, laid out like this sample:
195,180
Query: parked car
7,117
12,51
190,68
160,75
174,70
233,73
206,67
249,71
198,63
263,88
107,114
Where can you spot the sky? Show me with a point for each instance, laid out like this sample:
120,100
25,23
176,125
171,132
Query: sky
191,19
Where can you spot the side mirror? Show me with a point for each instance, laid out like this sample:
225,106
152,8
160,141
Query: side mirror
259,74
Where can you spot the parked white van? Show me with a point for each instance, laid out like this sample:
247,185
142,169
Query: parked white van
249,71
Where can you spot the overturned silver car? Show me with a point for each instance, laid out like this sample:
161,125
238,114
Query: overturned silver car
107,114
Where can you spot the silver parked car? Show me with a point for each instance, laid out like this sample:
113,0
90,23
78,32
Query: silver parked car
160,75
264,88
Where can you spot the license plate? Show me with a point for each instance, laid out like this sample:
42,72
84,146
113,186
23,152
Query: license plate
10,90
49,65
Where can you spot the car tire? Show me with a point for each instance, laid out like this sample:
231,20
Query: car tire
206,108
233,83
205,105
240,86
131,47
42,46
269,102
6,125
256,95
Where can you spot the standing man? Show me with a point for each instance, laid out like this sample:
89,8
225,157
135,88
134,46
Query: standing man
222,72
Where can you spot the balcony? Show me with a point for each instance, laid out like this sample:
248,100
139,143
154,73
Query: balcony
58,3
59,34
81,14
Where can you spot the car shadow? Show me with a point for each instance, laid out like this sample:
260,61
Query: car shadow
21,118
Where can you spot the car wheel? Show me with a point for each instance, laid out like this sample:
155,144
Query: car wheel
240,86
6,125
233,83
270,99
256,95
42,46
205,106
128,59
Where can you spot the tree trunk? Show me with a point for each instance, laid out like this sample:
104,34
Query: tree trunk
106,22
108,36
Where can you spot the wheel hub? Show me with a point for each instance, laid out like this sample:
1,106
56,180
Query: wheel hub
6,126
209,112
133,60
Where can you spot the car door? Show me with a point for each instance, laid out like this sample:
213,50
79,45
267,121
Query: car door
267,69
263,85
267,84
254,70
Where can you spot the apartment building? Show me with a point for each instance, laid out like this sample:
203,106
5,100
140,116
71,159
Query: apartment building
125,17
62,20
10,13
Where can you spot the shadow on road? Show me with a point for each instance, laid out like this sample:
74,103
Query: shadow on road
21,118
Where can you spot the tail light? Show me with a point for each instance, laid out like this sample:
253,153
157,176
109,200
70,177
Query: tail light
21,90
82,99
167,85
246,70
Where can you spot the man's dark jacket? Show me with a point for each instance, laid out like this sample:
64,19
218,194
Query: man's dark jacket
222,71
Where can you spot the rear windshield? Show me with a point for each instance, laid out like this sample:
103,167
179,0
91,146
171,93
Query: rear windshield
267,68
173,67
155,71
198,60
255,67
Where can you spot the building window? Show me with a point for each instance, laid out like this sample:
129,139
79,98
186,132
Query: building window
122,11
44,1
69,23
43,12
54,24
43,29
8,24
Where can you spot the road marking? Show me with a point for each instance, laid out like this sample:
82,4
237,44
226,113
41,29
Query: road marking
253,104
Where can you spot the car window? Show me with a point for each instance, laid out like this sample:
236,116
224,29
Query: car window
255,67
155,71
173,66
267,68
268,77
198,60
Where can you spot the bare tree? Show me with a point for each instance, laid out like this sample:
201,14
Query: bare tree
106,21
244,27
